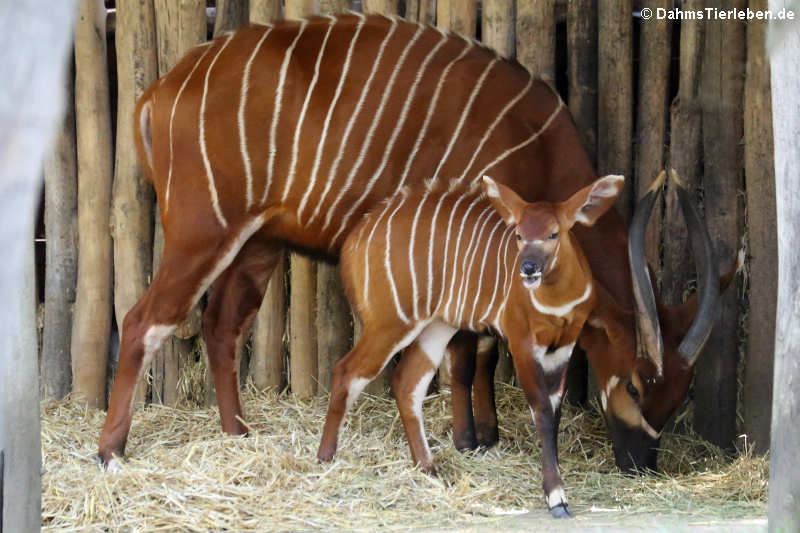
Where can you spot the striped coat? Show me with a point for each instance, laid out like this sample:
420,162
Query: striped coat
428,263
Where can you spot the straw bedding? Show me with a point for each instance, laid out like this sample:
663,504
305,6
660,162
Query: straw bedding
182,473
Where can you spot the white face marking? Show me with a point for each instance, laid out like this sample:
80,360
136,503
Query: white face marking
603,400
554,360
561,310
556,497
610,384
212,188
326,125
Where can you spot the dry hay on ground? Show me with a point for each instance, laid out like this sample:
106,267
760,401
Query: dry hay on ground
184,474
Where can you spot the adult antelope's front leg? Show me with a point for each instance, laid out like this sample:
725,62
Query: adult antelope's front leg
410,383
534,380
233,303
187,268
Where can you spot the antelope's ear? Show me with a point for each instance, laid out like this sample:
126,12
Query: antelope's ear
506,202
591,202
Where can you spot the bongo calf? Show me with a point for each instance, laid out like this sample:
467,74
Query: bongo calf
429,263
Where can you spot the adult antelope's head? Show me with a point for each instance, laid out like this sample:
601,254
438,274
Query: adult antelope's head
541,227
643,378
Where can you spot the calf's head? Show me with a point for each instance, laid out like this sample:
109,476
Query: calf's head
541,227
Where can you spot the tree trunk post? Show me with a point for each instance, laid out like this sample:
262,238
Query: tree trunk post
536,37
92,317
61,231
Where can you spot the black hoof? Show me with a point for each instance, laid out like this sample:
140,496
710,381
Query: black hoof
488,435
561,511
465,444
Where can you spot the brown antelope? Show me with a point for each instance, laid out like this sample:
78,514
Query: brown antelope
430,263
284,135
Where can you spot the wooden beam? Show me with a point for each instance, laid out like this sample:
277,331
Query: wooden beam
263,11
536,37
302,326
762,241
61,232
615,95
92,317
498,26
458,16
231,15
784,476
722,90
582,70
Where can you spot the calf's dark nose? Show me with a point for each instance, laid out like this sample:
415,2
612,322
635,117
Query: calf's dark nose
529,268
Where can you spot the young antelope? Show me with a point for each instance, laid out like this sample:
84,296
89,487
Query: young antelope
429,263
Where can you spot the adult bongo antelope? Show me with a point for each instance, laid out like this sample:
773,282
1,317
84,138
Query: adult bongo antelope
429,263
286,134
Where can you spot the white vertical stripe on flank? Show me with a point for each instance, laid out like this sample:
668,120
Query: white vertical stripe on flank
212,189
303,110
276,109
456,261
375,224
248,168
387,263
327,123
465,262
501,251
429,291
172,118
524,143
467,108
412,267
387,150
508,284
475,244
367,142
429,115
446,260
486,246
349,128
494,124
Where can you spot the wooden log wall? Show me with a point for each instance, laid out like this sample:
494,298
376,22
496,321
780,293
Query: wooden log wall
643,96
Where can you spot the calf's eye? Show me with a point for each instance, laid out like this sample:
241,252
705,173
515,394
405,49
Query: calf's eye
632,391
554,236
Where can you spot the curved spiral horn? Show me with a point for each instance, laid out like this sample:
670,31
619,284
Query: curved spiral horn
707,276
649,343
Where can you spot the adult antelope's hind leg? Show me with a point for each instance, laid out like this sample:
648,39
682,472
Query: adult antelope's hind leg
187,268
355,370
410,384
233,303
461,350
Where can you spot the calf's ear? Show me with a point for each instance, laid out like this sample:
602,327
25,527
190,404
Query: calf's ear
505,201
591,202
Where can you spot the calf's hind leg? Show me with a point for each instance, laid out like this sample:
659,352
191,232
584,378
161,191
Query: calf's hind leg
355,370
410,383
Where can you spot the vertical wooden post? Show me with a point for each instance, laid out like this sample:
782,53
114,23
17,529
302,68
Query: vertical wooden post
384,7
761,237
784,476
459,16
536,37
31,99
582,70
615,95
231,15
302,325
263,11
180,25
651,123
60,224
685,156
92,317
298,8
722,84
498,26
132,205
